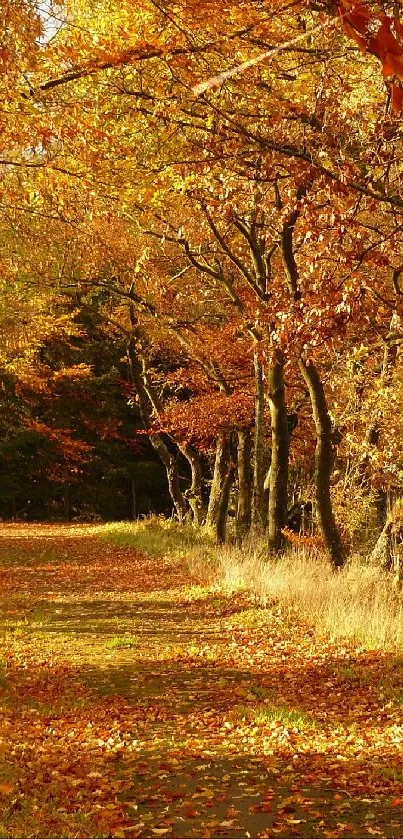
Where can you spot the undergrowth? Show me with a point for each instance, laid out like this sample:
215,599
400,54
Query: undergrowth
156,536
358,603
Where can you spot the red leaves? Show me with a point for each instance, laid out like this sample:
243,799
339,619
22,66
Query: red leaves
380,35
201,419
70,452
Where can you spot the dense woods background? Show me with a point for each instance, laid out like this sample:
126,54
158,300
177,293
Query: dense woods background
201,250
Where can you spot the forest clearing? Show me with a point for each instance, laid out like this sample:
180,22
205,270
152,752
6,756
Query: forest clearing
138,700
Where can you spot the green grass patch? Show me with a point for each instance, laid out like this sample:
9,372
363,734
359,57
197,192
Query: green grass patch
123,643
351,674
391,773
250,618
156,536
266,714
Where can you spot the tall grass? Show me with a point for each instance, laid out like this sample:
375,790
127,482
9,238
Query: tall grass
358,602
158,536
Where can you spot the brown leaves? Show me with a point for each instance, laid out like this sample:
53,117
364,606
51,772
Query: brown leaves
380,35
222,719
6,788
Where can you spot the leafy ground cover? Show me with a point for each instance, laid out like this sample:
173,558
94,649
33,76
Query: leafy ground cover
138,702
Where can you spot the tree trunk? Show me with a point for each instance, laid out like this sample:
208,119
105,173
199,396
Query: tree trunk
324,454
223,479
66,501
381,554
172,475
224,501
133,497
258,450
278,487
243,512
387,552
220,464
194,494
381,506
374,432
266,497
324,458
156,439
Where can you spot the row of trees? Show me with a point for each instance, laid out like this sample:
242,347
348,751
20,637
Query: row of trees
230,190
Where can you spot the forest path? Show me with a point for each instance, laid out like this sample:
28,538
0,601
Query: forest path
135,702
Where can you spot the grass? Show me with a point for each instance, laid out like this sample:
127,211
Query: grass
391,773
123,643
262,714
358,603
156,536
350,674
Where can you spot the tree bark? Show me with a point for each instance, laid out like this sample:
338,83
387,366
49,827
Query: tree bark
223,479
133,497
266,498
243,512
324,459
374,431
194,494
324,454
156,440
220,463
387,552
224,501
280,436
381,554
66,500
381,506
258,450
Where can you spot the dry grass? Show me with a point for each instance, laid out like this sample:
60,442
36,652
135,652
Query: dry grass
155,536
359,602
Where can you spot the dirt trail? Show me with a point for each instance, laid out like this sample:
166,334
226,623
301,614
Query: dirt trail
137,703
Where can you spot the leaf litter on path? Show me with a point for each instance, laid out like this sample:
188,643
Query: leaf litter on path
135,703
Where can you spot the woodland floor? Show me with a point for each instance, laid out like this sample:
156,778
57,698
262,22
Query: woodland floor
135,702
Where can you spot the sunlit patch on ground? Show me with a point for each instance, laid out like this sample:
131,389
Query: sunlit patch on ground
135,702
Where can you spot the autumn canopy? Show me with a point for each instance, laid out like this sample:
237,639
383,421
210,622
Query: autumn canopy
201,245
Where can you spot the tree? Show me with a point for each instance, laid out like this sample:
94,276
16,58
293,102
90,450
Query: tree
265,197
